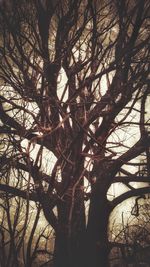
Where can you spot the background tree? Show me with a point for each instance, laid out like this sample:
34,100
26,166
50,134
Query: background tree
74,84
131,237
22,240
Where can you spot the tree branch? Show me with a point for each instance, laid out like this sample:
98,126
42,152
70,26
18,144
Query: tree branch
132,153
127,195
18,192
134,178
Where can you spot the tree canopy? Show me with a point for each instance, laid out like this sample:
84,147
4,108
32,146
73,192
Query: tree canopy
74,78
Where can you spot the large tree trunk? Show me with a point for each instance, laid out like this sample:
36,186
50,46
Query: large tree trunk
97,244
69,242
84,249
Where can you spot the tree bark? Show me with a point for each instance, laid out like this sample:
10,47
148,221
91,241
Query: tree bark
82,248
97,244
69,242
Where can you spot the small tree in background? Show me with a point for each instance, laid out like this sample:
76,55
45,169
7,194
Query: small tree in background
23,242
74,84
131,237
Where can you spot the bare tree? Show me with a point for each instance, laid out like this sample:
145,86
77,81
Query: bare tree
74,84
131,238
22,242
